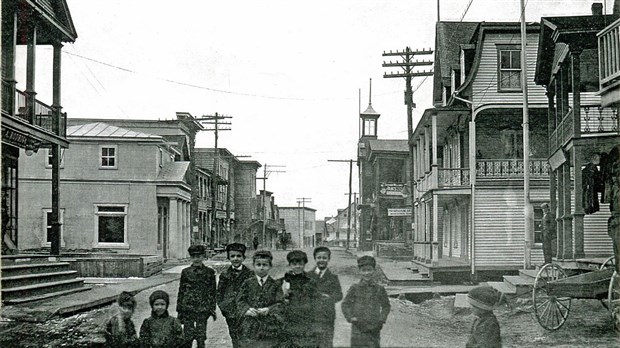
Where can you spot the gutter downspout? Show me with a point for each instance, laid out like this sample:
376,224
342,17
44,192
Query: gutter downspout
472,178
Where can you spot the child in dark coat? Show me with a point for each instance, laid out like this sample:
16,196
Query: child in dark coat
196,300
160,330
366,306
330,292
119,329
300,298
485,330
257,304
229,286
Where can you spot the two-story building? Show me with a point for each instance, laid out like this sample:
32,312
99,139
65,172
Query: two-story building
299,225
340,224
28,124
246,201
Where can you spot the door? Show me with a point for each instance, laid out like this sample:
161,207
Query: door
9,199
162,226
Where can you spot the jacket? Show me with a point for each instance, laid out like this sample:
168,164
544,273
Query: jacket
197,295
329,293
161,331
120,333
228,287
300,305
252,295
369,303
485,332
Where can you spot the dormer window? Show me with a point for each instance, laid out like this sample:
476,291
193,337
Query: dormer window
509,68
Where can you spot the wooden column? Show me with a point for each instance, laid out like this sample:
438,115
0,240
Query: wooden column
427,149
559,212
30,71
173,229
434,229
56,152
9,39
578,214
576,84
567,219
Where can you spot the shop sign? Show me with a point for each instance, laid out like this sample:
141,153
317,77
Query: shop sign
220,214
399,211
391,189
14,138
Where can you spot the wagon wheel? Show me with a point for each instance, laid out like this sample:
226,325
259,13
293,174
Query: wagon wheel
609,262
551,311
613,299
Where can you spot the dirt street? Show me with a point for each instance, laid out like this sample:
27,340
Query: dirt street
432,323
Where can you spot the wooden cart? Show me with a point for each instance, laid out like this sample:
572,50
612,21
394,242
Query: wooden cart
553,291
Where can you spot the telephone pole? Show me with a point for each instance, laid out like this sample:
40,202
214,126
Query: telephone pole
214,122
302,230
350,191
354,211
408,65
266,173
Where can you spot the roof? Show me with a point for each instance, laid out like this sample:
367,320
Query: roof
388,145
173,172
103,130
370,111
306,208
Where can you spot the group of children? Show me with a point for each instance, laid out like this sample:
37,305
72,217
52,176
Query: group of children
297,310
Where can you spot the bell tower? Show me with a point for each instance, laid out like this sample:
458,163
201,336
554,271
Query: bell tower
369,119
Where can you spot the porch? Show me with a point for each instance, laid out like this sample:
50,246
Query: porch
609,64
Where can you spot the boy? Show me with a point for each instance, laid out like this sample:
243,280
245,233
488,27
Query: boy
485,330
300,297
330,292
257,304
119,329
228,286
160,330
196,300
366,306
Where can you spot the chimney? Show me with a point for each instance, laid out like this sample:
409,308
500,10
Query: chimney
597,9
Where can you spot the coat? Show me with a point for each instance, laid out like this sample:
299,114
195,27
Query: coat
120,333
161,331
228,287
252,295
299,309
369,303
197,293
329,293
485,332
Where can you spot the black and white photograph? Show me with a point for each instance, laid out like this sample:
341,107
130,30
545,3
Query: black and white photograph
310,174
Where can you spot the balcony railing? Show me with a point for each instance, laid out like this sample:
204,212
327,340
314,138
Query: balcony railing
43,113
594,120
609,54
510,168
453,177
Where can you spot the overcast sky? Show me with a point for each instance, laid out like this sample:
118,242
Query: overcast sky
287,71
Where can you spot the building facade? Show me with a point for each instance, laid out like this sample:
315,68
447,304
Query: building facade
299,224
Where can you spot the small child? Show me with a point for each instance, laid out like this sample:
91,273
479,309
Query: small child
366,306
228,287
160,330
330,292
299,307
485,331
196,301
257,304
120,331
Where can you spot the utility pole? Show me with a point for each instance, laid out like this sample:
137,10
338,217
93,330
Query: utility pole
350,190
266,173
302,230
528,211
214,121
354,212
408,65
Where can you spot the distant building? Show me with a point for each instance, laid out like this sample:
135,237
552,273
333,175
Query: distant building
299,223
246,201
339,225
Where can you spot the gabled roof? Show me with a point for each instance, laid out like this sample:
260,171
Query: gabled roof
173,172
55,12
388,145
103,130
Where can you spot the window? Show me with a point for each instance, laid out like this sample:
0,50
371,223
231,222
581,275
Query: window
46,241
369,127
308,225
48,161
161,157
109,157
111,225
538,215
509,61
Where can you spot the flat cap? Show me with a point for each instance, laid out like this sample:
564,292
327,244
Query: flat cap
297,255
236,247
197,249
366,261
483,297
263,254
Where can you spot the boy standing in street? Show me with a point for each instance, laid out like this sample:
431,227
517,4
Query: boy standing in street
366,306
257,305
228,287
330,292
196,300
160,330
485,331
120,331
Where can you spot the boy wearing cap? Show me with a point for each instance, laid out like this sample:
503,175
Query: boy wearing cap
366,306
258,300
229,285
485,330
196,300
160,330
300,297
330,292
119,330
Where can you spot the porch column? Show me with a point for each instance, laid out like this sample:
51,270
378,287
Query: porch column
434,167
427,149
567,219
30,70
9,37
415,168
559,212
551,122
577,159
420,146
180,230
435,229
56,151
173,228
576,83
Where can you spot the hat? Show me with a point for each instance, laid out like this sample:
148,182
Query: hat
544,205
296,255
236,247
159,295
322,249
126,300
483,297
263,254
196,249
366,261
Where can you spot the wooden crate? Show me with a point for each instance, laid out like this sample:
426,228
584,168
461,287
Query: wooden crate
117,266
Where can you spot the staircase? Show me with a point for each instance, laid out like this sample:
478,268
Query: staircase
515,286
27,278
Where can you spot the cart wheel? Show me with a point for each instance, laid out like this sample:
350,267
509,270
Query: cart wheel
551,311
613,300
609,262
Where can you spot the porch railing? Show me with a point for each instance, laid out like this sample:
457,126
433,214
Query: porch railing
453,177
510,168
609,54
594,120
43,114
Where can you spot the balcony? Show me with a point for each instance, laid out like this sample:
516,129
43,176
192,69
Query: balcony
609,63
511,168
43,113
453,177
594,121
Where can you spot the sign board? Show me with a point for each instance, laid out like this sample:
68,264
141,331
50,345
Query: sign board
557,159
220,214
391,189
399,211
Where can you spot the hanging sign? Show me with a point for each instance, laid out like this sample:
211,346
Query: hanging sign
391,189
399,211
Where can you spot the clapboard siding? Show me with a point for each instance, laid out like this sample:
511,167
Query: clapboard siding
484,84
499,226
596,241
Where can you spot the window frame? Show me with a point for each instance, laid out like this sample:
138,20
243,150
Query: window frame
100,156
537,223
513,48
46,225
125,215
48,165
